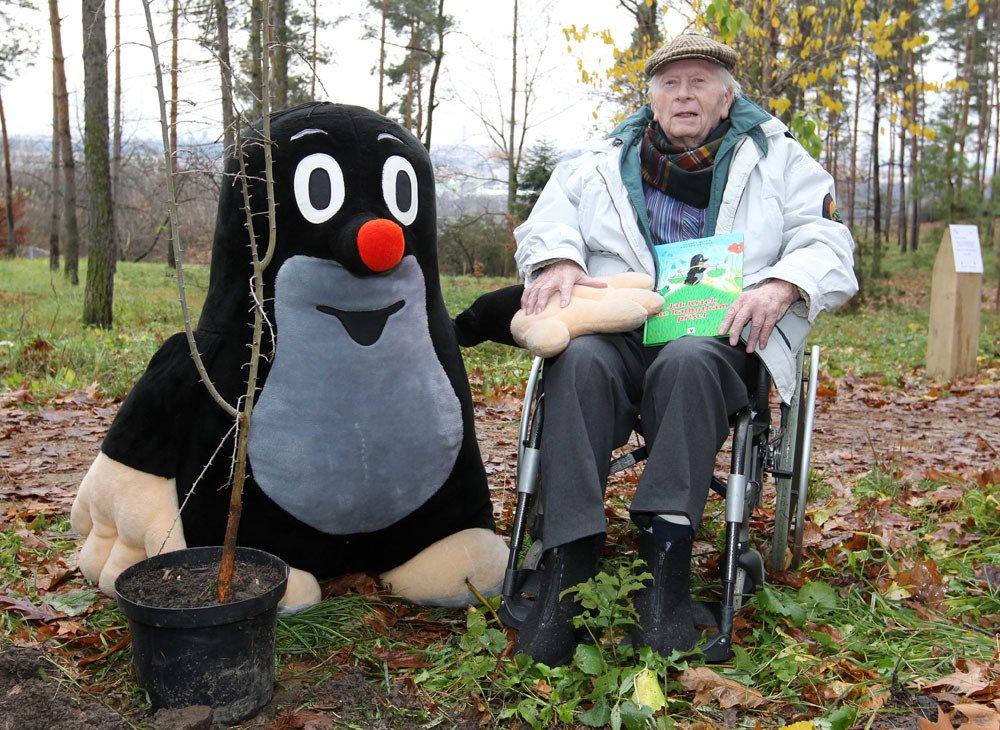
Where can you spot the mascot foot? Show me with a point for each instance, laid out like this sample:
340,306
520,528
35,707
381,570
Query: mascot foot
438,575
301,593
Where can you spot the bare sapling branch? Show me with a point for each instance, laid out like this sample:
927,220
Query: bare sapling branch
242,414
175,238
224,584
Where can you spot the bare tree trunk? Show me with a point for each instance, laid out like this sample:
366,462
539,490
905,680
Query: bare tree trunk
646,37
175,12
381,58
988,99
853,185
314,57
902,186
916,149
996,103
226,74
279,71
411,77
99,294
512,124
72,233
909,237
8,185
876,181
256,81
891,158
438,58
953,168
116,135
56,188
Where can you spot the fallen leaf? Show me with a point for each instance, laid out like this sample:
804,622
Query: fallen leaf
980,717
943,722
300,721
966,683
401,659
648,690
543,689
924,581
709,685
28,610
361,583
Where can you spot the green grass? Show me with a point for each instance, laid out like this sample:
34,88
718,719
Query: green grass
886,338
44,346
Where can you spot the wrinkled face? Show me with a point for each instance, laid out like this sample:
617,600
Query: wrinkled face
689,99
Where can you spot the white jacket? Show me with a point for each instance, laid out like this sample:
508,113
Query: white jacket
585,214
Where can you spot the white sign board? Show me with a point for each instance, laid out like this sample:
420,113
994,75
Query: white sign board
965,245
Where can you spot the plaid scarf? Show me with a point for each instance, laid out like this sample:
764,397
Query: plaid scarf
680,173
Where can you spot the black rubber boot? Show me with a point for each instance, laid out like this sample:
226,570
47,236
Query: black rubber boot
547,634
664,605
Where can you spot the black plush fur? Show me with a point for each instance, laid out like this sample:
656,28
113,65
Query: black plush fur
488,318
170,427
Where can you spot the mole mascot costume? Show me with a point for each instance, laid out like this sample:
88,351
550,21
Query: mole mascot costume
362,450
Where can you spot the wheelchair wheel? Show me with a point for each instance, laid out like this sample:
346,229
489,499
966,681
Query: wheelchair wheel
744,590
794,456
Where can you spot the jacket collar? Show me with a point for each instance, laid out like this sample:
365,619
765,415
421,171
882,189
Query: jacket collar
747,119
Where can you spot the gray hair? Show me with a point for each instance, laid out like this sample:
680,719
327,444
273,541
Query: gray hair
725,77
730,83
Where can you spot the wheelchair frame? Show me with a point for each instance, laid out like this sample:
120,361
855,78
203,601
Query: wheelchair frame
758,448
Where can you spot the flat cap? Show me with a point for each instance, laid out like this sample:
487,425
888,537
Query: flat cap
691,45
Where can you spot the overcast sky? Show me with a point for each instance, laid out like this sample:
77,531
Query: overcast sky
477,61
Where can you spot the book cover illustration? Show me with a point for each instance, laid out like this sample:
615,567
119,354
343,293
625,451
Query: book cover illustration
698,279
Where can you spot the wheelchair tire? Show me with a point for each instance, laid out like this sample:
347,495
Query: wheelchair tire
749,577
744,589
803,456
783,488
794,457
533,556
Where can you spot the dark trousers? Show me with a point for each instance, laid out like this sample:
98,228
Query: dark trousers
686,392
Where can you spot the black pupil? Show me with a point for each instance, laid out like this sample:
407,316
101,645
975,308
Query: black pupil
404,191
320,190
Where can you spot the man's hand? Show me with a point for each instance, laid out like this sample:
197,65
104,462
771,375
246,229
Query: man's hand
762,306
559,276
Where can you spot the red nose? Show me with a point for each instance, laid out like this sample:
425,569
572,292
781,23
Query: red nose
380,244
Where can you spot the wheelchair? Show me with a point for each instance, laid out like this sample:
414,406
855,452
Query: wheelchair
758,446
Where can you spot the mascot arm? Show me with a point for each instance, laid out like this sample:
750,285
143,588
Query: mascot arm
441,573
625,304
126,515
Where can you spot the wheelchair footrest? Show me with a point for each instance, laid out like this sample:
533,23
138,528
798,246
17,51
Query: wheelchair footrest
515,606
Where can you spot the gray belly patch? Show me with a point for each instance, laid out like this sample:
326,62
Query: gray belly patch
350,437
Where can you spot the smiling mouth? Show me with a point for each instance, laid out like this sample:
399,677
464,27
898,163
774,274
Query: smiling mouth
365,328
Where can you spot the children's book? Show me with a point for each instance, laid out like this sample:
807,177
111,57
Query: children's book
699,279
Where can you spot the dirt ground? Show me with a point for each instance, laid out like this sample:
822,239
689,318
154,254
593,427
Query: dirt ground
916,430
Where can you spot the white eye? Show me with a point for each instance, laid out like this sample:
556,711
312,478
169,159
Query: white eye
319,187
399,188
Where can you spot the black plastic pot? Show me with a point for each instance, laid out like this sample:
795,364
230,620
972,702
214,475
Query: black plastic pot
221,656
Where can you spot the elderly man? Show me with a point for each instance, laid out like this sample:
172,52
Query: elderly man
701,159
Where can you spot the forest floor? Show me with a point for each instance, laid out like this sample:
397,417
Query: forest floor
914,430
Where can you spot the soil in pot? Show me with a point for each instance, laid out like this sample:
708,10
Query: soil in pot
187,586
189,649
